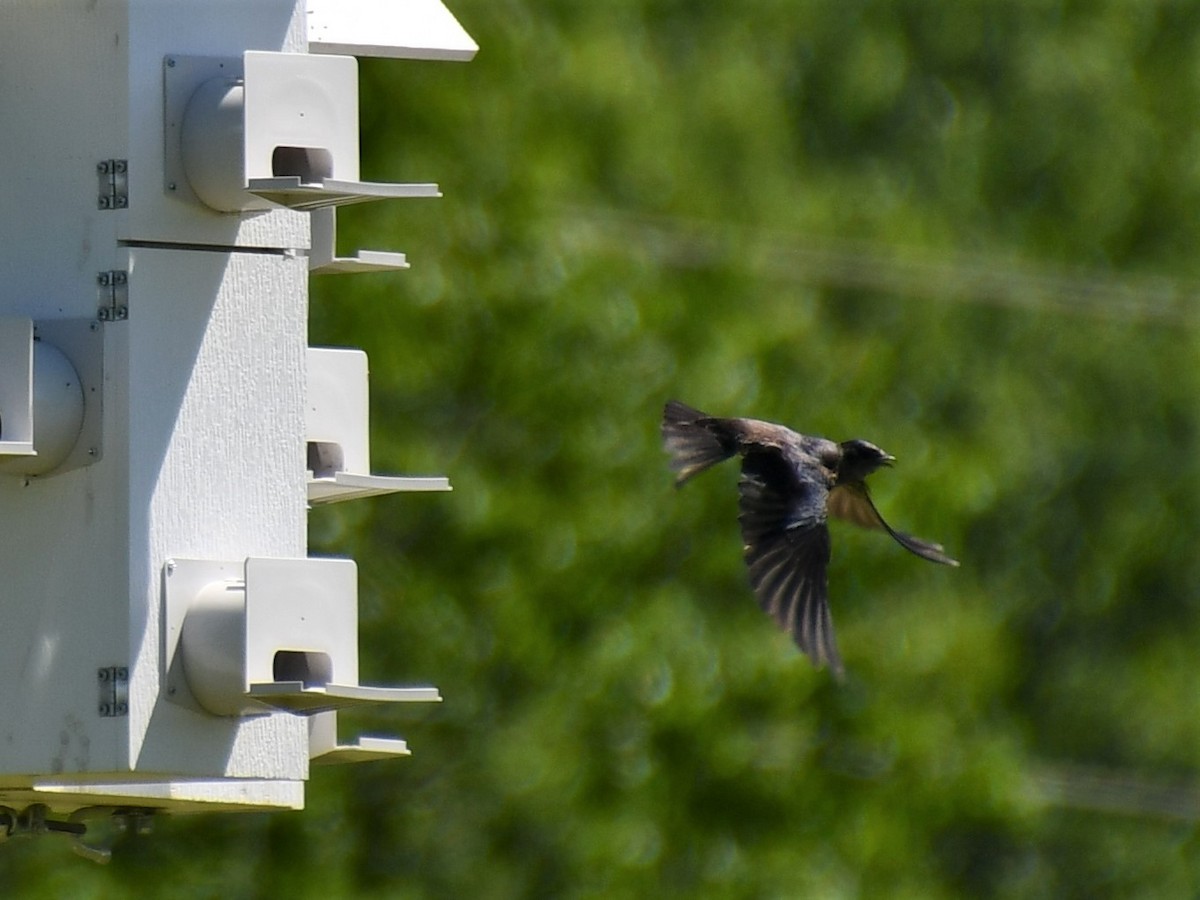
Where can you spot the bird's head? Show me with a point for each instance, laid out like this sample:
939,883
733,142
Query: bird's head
860,459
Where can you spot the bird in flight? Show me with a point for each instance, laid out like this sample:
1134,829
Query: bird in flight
791,483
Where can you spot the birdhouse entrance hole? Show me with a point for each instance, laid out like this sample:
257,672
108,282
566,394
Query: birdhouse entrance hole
325,458
309,164
313,669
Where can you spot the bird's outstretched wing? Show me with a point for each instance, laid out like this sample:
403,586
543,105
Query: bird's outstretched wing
852,503
782,515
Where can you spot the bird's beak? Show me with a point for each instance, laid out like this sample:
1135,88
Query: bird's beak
888,459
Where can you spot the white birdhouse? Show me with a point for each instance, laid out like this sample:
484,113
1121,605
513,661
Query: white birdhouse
166,643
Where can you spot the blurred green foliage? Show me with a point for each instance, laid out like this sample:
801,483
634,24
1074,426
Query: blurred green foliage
966,232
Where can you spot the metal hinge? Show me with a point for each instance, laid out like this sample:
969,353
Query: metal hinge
113,178
113,294
114,690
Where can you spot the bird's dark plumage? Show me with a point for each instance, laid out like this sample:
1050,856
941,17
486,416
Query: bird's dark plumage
790,484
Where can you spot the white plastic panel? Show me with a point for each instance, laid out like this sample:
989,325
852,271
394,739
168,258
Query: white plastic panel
50,395
82,342
338,405
301,605
57,411
16,387
401,29
296,100
184,581
339,432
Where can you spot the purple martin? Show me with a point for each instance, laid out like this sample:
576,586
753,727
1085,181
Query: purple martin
791,483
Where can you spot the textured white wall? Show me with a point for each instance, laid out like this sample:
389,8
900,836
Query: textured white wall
216,471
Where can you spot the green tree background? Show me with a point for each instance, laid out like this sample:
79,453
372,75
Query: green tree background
966,232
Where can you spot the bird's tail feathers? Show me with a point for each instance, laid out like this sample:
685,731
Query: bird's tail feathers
691,442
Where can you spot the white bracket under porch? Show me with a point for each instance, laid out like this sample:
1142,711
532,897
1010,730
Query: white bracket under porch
323,258
324,747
